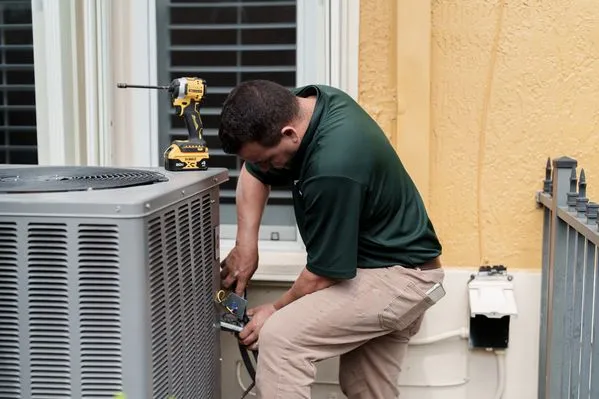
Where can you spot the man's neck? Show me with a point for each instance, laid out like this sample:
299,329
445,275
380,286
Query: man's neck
306,110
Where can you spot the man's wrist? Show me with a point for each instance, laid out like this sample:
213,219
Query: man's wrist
284,300
246,241
306,283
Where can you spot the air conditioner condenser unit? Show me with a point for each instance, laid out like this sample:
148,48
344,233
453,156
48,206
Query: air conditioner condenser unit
107,279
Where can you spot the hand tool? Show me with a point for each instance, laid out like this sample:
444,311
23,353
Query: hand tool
233,318
187,94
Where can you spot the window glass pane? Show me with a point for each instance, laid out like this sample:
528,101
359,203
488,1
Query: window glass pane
225,43
18,138
269,13
283,35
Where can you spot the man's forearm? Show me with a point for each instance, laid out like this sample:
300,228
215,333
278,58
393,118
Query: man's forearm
306,283
251,195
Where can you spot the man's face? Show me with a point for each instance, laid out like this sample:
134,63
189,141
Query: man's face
277,157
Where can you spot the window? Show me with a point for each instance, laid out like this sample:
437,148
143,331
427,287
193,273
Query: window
226,42
18,138
293,42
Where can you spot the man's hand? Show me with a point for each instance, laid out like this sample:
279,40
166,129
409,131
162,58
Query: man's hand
238,267
258,316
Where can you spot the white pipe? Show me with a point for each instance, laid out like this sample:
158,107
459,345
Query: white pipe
239,382
501,374
459,333
448,384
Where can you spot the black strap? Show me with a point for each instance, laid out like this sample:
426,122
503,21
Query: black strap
246,358
243,350
247,362
248,390
248,366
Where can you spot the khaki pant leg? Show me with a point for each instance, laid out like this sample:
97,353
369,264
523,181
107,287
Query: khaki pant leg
372,370
332,322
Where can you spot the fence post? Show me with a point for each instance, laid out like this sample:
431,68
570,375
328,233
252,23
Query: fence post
542,365
577,244
556,300
587,306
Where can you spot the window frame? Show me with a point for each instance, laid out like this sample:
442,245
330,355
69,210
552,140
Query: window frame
82,121
55,82
81,50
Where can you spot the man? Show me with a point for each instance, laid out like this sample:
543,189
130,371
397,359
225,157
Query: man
372,252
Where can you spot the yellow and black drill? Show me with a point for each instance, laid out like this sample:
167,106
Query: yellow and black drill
187,94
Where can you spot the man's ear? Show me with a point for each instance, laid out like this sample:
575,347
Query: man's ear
290,133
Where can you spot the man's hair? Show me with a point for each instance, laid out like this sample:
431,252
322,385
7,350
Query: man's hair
255,111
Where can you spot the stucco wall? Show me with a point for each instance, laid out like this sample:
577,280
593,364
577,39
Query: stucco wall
377,88
511,84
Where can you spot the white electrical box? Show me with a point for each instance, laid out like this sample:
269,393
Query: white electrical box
492,295
492,304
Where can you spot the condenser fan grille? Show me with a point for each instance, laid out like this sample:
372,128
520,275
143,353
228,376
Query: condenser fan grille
74,178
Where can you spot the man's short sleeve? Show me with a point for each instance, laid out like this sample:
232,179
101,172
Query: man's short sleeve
272,177
332,208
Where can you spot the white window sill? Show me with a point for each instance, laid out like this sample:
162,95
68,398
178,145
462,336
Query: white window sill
277,263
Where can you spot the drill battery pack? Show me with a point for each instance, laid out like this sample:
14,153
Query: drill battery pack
185,155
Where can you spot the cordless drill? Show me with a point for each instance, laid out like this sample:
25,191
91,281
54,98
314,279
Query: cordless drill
187,94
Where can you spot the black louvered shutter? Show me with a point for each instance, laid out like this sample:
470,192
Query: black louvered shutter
18,137
225,43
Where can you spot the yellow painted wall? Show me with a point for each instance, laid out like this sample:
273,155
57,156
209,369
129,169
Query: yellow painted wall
511,83
377,89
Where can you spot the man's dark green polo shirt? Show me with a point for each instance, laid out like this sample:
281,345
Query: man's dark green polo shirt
355,205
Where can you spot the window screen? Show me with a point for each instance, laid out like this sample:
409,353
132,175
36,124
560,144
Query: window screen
18,138
225,43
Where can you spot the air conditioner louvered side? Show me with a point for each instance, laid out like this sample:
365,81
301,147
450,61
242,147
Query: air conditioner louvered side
48,300
10,370
158,309
204,249
191,345
99,310
111,295
181,273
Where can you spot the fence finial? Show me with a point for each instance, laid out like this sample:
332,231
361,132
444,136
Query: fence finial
591,212
573,194
582,184
582,200
547,183
573,180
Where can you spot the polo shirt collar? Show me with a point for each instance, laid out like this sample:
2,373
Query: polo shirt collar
298,158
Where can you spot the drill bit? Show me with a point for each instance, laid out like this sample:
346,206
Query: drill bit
126,85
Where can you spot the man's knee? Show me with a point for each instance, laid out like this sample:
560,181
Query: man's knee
277,337
271,336
281,352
